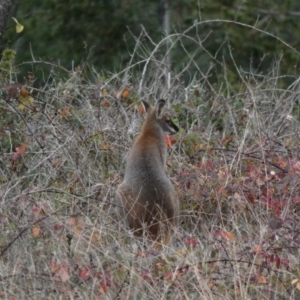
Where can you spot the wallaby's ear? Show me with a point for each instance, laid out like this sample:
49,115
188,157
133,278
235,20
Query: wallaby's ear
159,106
146,105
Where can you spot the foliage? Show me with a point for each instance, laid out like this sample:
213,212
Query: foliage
76,30
7,66
250,36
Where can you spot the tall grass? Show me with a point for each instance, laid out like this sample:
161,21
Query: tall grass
235,165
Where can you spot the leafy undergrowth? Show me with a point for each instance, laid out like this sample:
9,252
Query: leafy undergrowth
235,165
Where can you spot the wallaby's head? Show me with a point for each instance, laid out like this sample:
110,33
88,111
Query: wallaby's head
158,119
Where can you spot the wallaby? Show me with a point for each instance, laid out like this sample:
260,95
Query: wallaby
149,200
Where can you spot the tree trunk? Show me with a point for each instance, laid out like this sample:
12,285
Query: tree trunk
5,6
164,20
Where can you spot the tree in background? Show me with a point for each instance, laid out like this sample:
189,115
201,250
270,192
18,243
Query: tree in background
72,31
234,45
106,32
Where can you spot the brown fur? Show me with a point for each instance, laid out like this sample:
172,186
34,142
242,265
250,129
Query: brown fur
149,200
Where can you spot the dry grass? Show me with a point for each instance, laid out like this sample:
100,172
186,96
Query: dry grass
235,165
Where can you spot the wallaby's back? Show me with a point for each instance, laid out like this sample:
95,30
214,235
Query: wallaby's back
149,199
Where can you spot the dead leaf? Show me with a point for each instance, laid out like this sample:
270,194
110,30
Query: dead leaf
23,92
126,93
257,249
118,94
20,152
237,197
123,93
54,267
297,283
294,281
64,112
229,236
63,273
76,224
261,279
25,102
59,271
105,146
105,102
71,221
36,231
225,235
104,91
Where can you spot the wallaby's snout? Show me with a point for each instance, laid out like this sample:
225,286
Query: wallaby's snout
149,199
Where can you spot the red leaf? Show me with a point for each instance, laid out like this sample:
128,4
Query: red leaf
286,263
57,227
103,287
39,210
219,233
277,262
84,273
272,258
192,242
252,171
